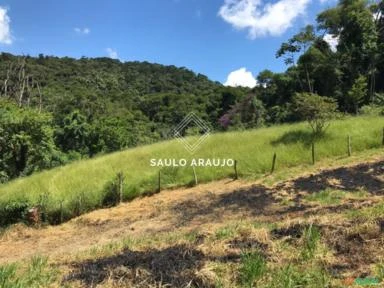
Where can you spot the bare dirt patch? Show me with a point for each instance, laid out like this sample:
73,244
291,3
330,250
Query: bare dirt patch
367,176
355,251
173,266
295,231
246,243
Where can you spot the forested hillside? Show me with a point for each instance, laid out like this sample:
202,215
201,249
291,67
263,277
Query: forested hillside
88,106
54,110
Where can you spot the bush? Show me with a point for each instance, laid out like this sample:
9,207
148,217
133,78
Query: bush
317,110
372,110
26,141
113,191
13,212
355,96
3,177
59,214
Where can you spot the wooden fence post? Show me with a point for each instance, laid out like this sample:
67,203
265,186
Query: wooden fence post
43,199
383,138
195,175
313,153
273,163
120,187
159,182
78,206
61,212
236,174
349,146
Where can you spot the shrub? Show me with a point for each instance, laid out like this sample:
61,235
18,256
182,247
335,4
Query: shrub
372,110
113,191
13,212
318,111
358,92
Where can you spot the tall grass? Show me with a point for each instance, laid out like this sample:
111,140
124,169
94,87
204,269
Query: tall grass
327,196
84,182
38,273
294,276
253,266
311,238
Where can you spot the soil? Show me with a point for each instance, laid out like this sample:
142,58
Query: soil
204,208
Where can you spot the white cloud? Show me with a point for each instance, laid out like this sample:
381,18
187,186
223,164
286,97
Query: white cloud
262,19
332,41
83,31
5,29
327,1
112,53
241,77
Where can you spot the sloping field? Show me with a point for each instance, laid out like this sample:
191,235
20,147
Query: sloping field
322,228
82,186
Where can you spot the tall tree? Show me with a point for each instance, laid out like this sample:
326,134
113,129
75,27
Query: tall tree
358,92
299,43
354,25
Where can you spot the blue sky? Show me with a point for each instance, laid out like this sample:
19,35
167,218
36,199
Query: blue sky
212,37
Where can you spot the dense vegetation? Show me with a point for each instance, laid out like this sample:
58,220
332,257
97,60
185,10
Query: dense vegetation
89,106
55,110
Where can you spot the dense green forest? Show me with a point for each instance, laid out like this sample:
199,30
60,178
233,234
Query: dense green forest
55,110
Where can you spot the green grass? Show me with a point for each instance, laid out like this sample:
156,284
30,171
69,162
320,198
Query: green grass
326,197
253,267
7,274
84,183
311,238
225,233
38,273
367,214
334,196
294,276
379,271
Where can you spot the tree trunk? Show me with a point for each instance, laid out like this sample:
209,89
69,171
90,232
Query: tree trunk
308,80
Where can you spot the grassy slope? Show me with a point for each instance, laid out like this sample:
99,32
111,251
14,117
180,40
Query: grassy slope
253,150
324,244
